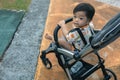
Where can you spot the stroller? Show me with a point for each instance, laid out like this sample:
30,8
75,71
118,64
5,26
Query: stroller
72,63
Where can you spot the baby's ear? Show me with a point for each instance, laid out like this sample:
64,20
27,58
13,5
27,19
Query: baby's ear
89,20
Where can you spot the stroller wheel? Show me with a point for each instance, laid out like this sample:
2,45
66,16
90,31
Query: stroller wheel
111,75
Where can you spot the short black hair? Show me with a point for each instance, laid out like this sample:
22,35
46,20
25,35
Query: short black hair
88,8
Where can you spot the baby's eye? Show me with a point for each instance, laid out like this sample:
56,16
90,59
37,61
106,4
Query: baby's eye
81,18
74,16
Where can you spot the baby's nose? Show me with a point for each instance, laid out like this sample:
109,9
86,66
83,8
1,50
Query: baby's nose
76,19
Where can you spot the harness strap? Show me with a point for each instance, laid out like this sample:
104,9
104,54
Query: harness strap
81,35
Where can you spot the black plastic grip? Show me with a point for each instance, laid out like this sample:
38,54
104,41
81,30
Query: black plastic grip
68,20
45,60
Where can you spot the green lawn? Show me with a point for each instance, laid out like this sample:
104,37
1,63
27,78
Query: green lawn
15,4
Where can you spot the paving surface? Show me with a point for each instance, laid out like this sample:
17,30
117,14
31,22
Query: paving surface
104,13
20,60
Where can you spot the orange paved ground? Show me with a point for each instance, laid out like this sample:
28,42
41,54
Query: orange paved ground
62,9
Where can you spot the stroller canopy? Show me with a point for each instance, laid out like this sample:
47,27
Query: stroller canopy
109,33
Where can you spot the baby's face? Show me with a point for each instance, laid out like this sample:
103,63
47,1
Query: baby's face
80,19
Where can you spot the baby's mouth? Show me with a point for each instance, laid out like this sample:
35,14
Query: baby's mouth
76,24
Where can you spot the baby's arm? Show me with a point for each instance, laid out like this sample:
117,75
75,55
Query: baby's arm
64,43
63,27
62,24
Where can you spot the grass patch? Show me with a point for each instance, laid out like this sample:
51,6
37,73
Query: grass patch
15,4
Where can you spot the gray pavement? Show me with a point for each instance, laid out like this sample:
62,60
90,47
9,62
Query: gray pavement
20,60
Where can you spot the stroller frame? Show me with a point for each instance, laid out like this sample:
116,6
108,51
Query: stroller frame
62,53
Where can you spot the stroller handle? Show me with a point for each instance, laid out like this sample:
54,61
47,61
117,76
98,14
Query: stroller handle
51,48
55,34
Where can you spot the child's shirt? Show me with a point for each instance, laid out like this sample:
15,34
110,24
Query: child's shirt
74,38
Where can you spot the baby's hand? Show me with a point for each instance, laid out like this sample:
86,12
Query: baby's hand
61,23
